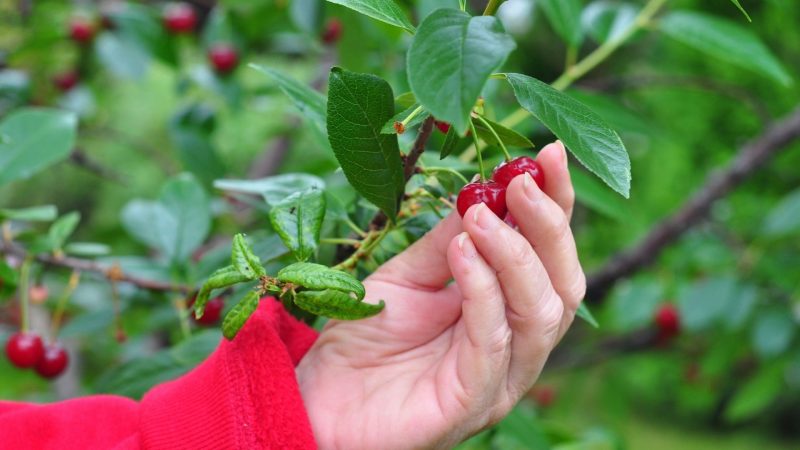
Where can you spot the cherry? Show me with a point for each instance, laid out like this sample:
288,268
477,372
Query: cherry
668,322
212,312
53,361
66,81
24,349
544,396
81,30
332,32
488,192
179,18
223,57
444,127
509,170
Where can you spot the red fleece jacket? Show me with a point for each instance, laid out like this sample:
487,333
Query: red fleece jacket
244,396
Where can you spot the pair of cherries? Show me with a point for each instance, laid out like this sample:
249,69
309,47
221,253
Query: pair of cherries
493,192
26,350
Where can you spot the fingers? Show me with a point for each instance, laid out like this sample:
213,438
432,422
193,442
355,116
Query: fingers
545,225
424,264
488,335
534,309
558,185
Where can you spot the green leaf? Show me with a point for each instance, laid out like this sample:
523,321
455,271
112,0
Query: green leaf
724,40
584,133
739,5
62,228
32,139
306,15
244,260
757,394
564,16
358,106
606,21
190,131
384,10
450,60
44,213
706,302
236,317
176,224
507,135
633,304
584,313
222,278
298,220
773,332
318,277
388,127
309,102
139,24
784,218
451,142
274,189
122,57
598,197
336,305
87,249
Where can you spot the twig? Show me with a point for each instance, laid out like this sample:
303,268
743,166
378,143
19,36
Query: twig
81,159
84,265
749,159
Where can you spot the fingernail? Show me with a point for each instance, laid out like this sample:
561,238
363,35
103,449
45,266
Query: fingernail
563,151
532,191
466,246
485,218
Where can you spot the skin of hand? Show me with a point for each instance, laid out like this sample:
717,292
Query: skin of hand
446,360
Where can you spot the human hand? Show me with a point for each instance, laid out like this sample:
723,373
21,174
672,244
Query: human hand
443,361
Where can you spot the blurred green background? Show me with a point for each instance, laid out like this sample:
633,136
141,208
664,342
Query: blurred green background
730,378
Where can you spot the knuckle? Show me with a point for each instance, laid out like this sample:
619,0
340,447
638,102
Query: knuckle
577,289
499,341
520,253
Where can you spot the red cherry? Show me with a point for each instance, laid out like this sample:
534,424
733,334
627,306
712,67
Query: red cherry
24,349
668,322
544,396
53,361
212,312
179,18
66,81
509,170
444,127
223,57
332,32
81,30
488,192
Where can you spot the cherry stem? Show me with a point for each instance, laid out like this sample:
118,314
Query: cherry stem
411,116
492,7
24,275
58,315
494,133
477,150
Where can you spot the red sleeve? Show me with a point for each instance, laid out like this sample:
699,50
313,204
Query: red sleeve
244,396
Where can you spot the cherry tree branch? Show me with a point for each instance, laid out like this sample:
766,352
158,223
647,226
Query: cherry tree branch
750,158
84,265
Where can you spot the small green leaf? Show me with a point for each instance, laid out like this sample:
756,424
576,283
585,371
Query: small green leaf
451,59
275,188
564,16
244,260
739,5
584,133
584,313
451,142
507,135
336,305
311,103
44,213
62,228
607,21
384,10
298,220
756,394
724,40
358,106
773,332
238,315
318,277
597,196
32,139
222,278
87,249
784,218
388,127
